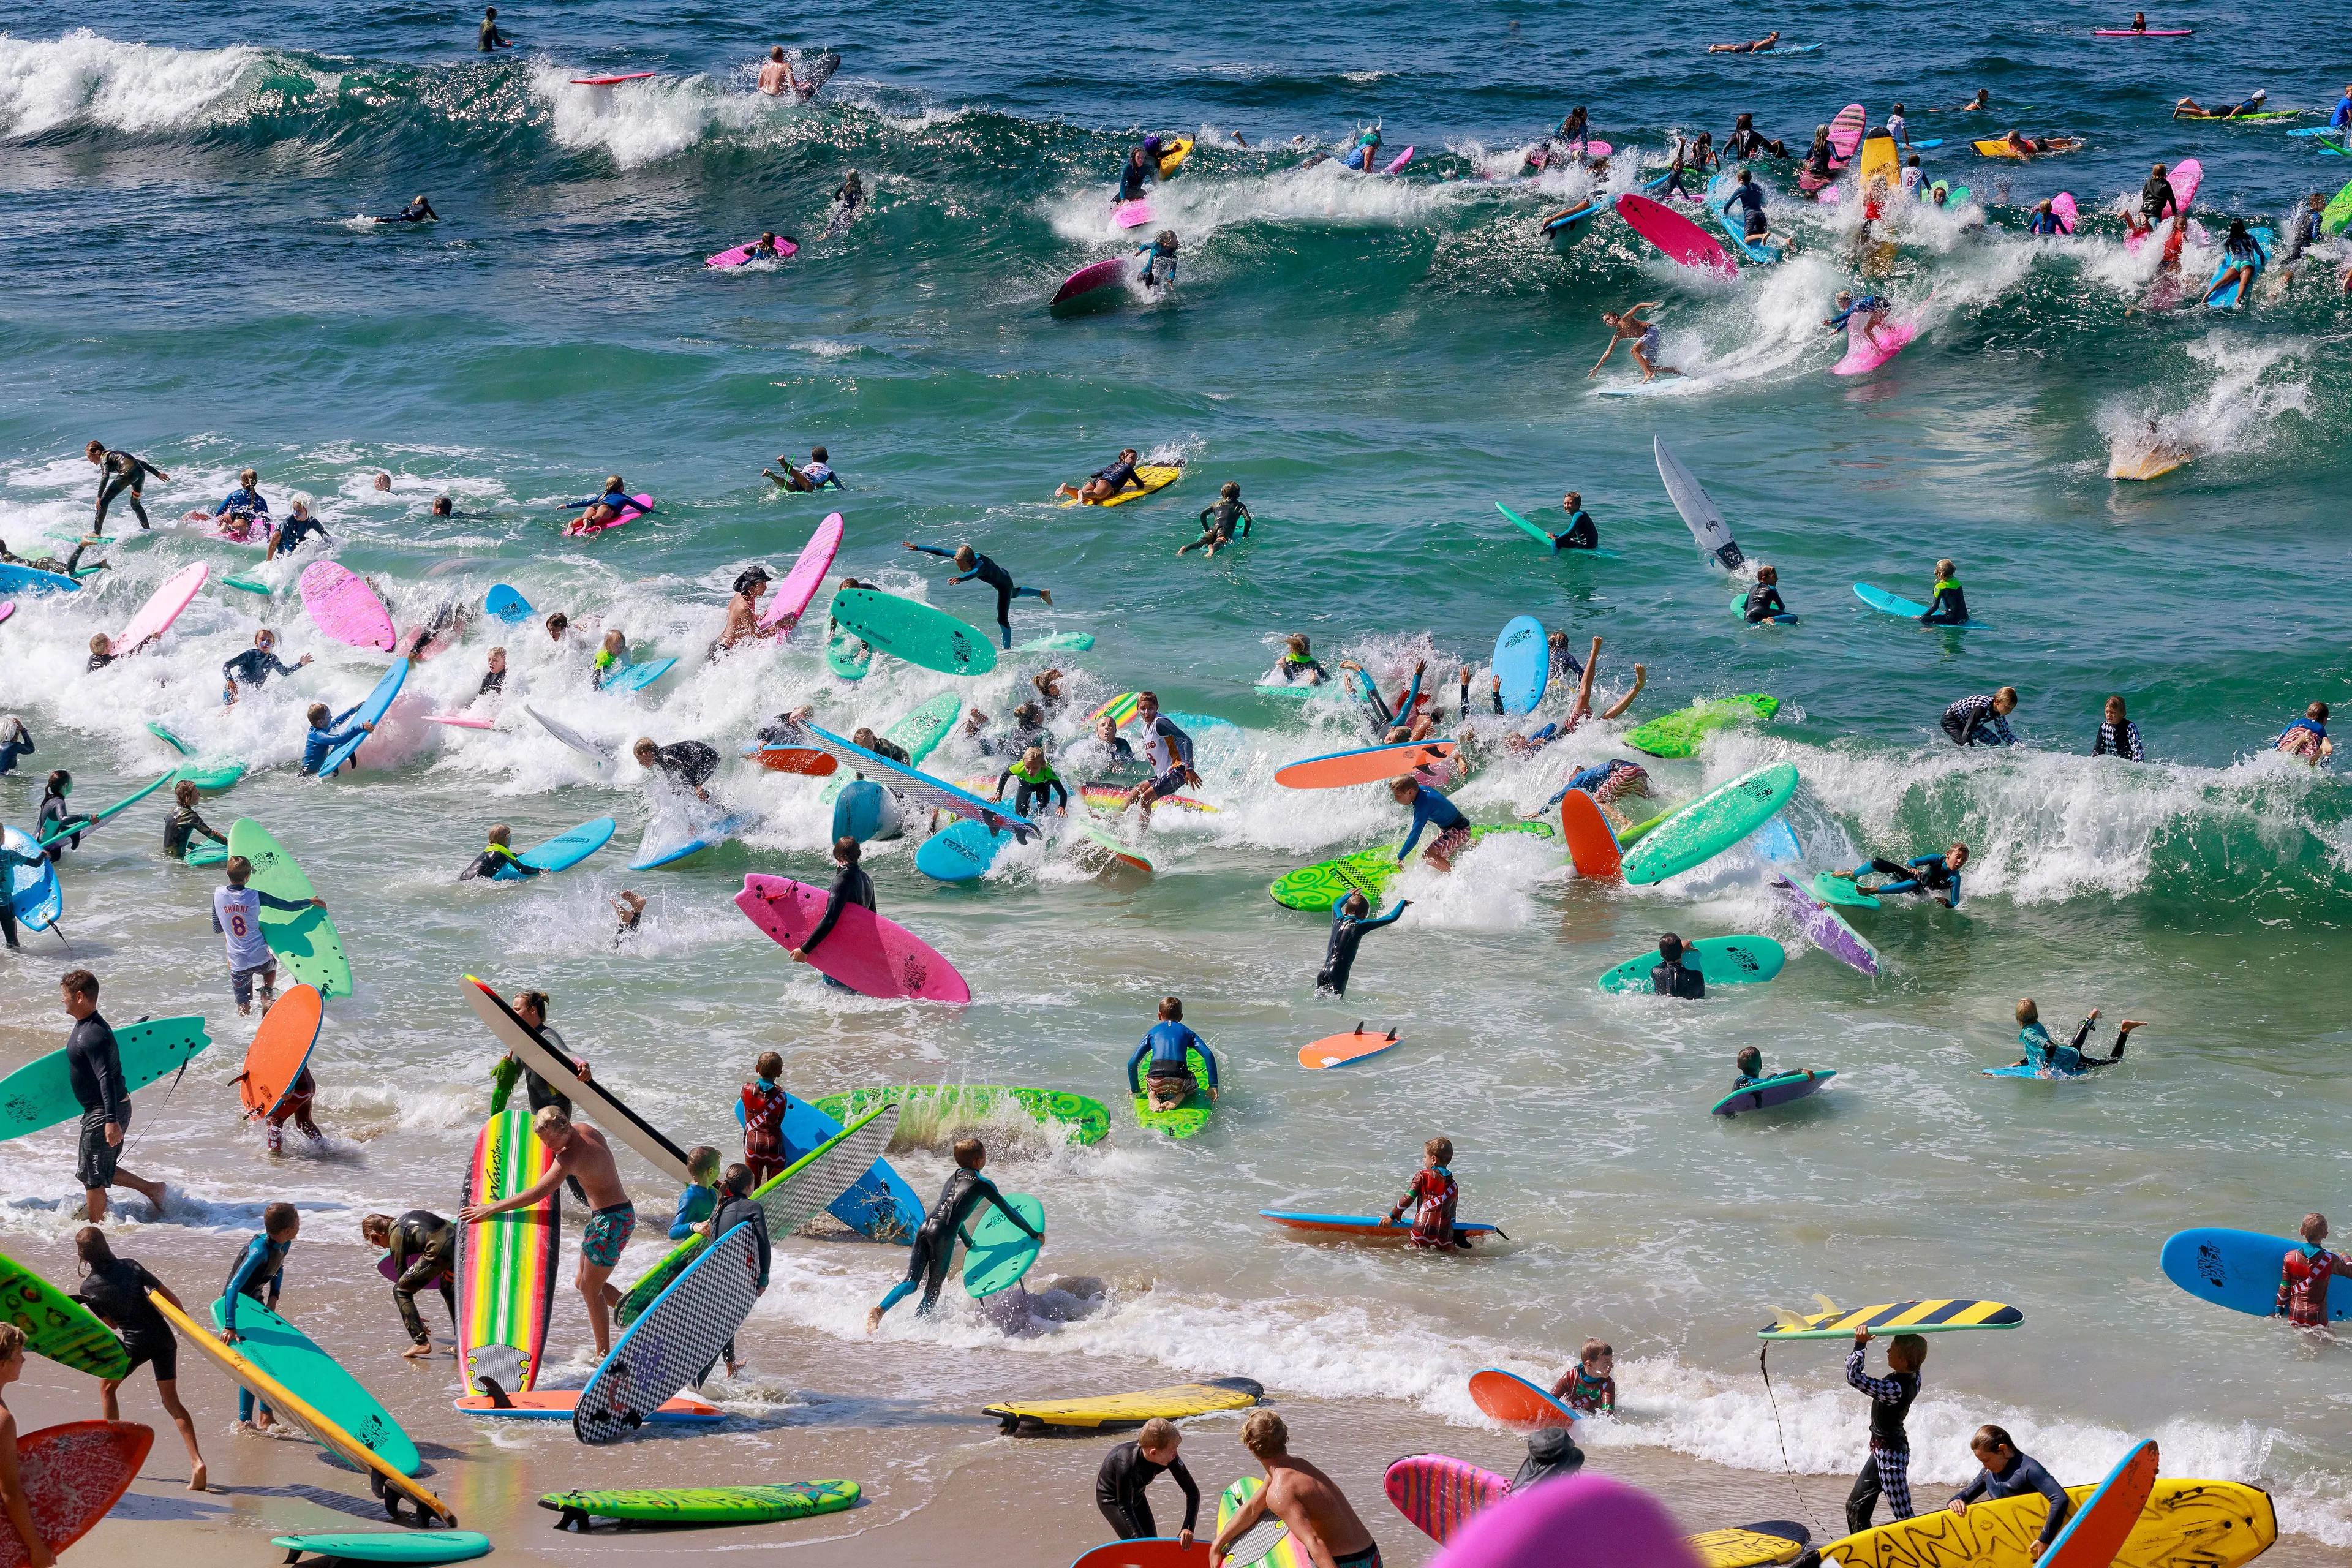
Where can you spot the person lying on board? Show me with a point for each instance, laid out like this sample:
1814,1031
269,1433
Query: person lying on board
1759,47
69,568
2189,109
417,210
1431,809
497,857
612,659
1106,481
2027,146
2044,221
1871,307
2051,1060
604,510
1217,521
1821,159
810,477
1983,99
2307,739
1589,1388
2242,259
1922,876
1296,663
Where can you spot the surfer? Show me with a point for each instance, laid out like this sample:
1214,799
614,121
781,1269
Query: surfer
1921,875
1323,1528
417,210
1758,47
2044,221
2306,227
498,854
1366,149
2189,107
494,676
1168,751
743,610
605,510
2306,739
1628,326
2049,1059
1350,925
120,474
1134,1464
1217,523
324,737
760,1108
1983,99
1590,1386
300,525
1168,1082
776,78
94,1073
1982,720
1298,664
255,665
688,765
1108,482
1039,782
1764,598
735,1207
294,1106
1159,266
241,506
1430,809
2304,1273
1133,175
1888,1466
538,1093
810,477
1676,973
1871,307
582,1152
1118,755
422,1249
185,822
1948,605
116,1289
1434,1195
970,565
56,821
2156,198
17,741
257,1275
2242,259
236,915
1821,159
1582,533
965,1190
1914,178
2117,736
491,40
1746,141
851,885
2006,1473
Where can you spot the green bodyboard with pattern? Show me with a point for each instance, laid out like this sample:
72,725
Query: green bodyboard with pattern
58,1326
706,1505
1187,1118
1679,734
1315,888
933,1107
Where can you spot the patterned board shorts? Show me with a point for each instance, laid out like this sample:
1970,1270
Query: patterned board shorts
1450,843
608,1234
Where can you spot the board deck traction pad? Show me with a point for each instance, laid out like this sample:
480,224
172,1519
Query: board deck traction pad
1123,1412
1898,1317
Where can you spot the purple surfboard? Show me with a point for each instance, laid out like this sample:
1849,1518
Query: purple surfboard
1824,929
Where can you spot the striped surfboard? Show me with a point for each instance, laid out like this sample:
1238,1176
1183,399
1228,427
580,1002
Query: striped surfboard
505,1264
1896,1318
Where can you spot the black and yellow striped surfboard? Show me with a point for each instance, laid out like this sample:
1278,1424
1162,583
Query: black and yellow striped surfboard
1897,1318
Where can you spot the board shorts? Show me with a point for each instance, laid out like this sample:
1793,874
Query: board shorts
1370,1557
95,1167
1622,777
1649,346
1170,1080
607,1235
158,1349
1450,843
240,981
1168,783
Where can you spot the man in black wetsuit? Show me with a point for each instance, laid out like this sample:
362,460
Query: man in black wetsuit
119,472
1348,924
1673,977
689,764
934,1249
489,40
1132,1466
94,1071
417,210
255,665
423,1248
851,885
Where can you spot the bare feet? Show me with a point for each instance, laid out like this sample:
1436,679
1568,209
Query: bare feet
417,1353
197,1480
874,1315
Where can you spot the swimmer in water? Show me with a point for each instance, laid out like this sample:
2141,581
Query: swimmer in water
1217,521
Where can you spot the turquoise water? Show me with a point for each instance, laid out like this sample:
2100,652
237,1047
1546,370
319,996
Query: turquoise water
1376,363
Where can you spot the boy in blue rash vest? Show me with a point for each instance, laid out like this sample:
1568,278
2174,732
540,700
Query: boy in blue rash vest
243,507
1764,599
1431,809
2008,1473
1888,1466
1160,255
699,1199
1871,307
965,1190
2306,738
1982,720
1924,876
324,737
2051,1060
1169,1079
261,1266
1582,532
1349,928
970,565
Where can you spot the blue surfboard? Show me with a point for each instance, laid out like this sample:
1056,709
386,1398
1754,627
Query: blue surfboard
914,787
650,859
639,676
1523,664
2238,1270
369,712
1879,599
505,604
865,810
34,892
24,580
880,1205
561,852
961,854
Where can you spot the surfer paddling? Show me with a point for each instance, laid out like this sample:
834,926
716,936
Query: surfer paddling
1757,48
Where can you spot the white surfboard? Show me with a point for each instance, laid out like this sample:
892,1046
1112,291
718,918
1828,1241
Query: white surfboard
586,1096
1699,511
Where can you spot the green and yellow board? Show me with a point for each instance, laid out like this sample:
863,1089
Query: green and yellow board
702,1505
58,1326
304,940
1679,734
1316,888
930,1109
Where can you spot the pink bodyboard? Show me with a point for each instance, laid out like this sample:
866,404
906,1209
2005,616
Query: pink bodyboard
578,527
2063,205
461,720
1596,149
742,253
871,955
1579,1521
1405,157
345,607
1088,278
8,608
1845,131
256,533
1680,239
800,585
1861,357
162,607
1440,1494
1132,215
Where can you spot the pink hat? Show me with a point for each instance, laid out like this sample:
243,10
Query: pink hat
1582,1522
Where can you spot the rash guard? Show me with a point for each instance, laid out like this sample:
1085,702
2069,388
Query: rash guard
1429,808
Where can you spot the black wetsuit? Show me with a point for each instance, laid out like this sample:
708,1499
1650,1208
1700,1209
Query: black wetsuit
1119,1492
254,666
934,1246
117,1292
2122,740
2157,199
1218,519
56,818
1581,532
1346,934
20,743
494,856
424,1258
1132,177
119,472
1925,874
1764,603
688,762
851,885
182,826
50,564
490,38
1949,608
1551,1454
1119,476
1680,978
492,681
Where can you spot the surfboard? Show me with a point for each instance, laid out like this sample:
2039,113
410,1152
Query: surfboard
590,1098
1284,1553
705,1505
1119,853
1096,286
937,1107
1401,159
1680,733
1177,148
291,1356
33,893
344,607
999,1253
2213,1524
1122,1412
1057,642
959,854
595,752
280,1049
1778,1089
41,1093
1591,845
609,80
1564,228
916,631
2238,1270
872,955
919,731
914,787
384,1479
559,1404
1823,928
371,712
210,778
507,1263
161,609
1762,1544
654,853
1938,1317
73,1474
668,1347
1841,890
1346,1050
1712,824
1699,512
305,940
505,604
2334,217
1680,239
563,851
1440,1494
798,760
1156,477
1316,888
387,1546
1522,662
56,1326
879,1204
844,655
100,818
1187,1120
2094,1537
790,599
1370,764
1719,193
2230,298
1723,960
1376,1229
27,580
638,675
817,72
1879,599
1739,608
578,527
1131,214
1862,356
1153,1551
741,255
1515,1401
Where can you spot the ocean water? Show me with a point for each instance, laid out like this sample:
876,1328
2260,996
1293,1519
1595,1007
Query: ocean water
1376,363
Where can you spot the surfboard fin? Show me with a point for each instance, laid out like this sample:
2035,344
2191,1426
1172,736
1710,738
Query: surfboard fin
1824,1303
1785,1318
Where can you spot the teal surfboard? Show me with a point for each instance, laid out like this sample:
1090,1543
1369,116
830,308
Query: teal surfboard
111,812
844,655
305,941
169,739
388,1545
1541,537
1895,604
639,676
41,1093
563,851
959,854
1522,663
371,712
1841,890
287,1355
914,631
1060,642
1739,608
920,731
247,584
1711,823
1723,960
1000,1254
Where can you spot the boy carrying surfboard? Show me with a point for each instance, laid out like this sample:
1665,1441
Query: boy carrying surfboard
580,1152
1886,1469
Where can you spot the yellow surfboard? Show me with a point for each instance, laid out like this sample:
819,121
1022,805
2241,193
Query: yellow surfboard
1117,1412
1155,478
1997,150
1894,1318
1879,164
2185,1524
1173,159
1745,1548
385,1481
2154,464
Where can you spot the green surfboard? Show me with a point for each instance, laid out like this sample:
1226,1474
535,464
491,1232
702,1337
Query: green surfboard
919,732
210,778
305,941
914,631
932,1109
388,1545
1000,1254
1711,823
41,1093
58,1326
1679,734
1723,960
2336,214
1058,642
117,809
1316,888
1841,890
847,657
169,739
248,585
703,1505
1188,1119
289,1354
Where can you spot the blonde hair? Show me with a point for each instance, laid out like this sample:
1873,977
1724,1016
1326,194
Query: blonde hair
1159,1433
549,1118
1265,1435
12,1342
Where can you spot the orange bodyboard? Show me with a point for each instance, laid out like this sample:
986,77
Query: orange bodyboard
1591,843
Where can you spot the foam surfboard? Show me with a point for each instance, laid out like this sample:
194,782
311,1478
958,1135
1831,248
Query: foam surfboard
1712,824
1845,130
638,675
578,527
595,1099
1723,960
1376,1229
1187,1118
1700,513
913,787
1823,928
1841,890
1131,214
2229,299
961,853
799,760
597,752
2097,1532
161,609
34,891
1778,1089
788,599
1522,662
27,580
1058,642
305,940
280,1049
1119,853
563,851
1950,1315
1093,286
291,1356
1720,192
1591,845
344,607
872,955
658,848
937,1107
668,1347
741,255
2238,1270
563,1403
506,1263
1862,355
708,1505
1153,1551
1315,888
1680,239
73,1474
1440,1494
505,604
1515,1401
1888,603
41,1093
371,712
2212,1524
1370,764
1346,1050
999,1252
1251,1549
58,1326
918,732
109,812
879,1204
1123,1412
462,721
1564,228
387,1546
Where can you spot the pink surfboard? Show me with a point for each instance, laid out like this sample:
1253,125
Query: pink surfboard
742,253
1441,1494
2063,205
609,80
800,585
1845,131
1681,239
161,609
344,607
1862,356
256,532
461,720
578,527
1401,159
1596,149
2185,176
1134,215
871,955
8,608
2141,32
1087,280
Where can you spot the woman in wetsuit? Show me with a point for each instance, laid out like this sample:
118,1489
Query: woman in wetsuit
934,1248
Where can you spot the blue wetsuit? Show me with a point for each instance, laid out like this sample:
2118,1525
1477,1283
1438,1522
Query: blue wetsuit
1429,808
994,576
319,742
1165,1043
2051,1060
1865,305
261,1265
1923,875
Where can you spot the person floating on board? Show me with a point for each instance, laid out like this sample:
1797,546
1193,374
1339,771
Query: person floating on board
735,1207
294,1106
776,78
1871,307
1676,973
965,1190
1366,151
1431,809
1923,876
851,885
1582,533
1947,604
2049,1059
2117,736
1821,160
1137,171
236,915
324,737
1982,720
2242,259
1107,482
240,510
1746,141
300,525
417,211
970,564
1983,99
1217,521
685,765
2305,1274
1642,336
1298,664
1433,1196
743,610
1887,1468
1590,1386
69,568
1750,1063
119,472
1764,598
185,822
1168,1082
1159,268
491,40
760,1111
115,1290
1167,748
2306,739
94,1073
1323,1527
2306,228
2008,1473
812,477
1134,1464
1350,925
699,1199
499,855
422,1248
615,505
257,1275
581,1152
1039,783
255,665
1748,197
1757,48
2189,109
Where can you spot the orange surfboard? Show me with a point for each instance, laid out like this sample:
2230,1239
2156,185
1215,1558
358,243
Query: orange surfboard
797,759
1591,843
1514,1401
1346,1050
2097,1533
279,1049
1371,765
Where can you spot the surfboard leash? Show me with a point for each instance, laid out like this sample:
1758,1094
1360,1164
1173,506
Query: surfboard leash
1763,1359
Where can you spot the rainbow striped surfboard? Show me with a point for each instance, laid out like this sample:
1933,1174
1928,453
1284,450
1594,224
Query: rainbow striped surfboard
505,1264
